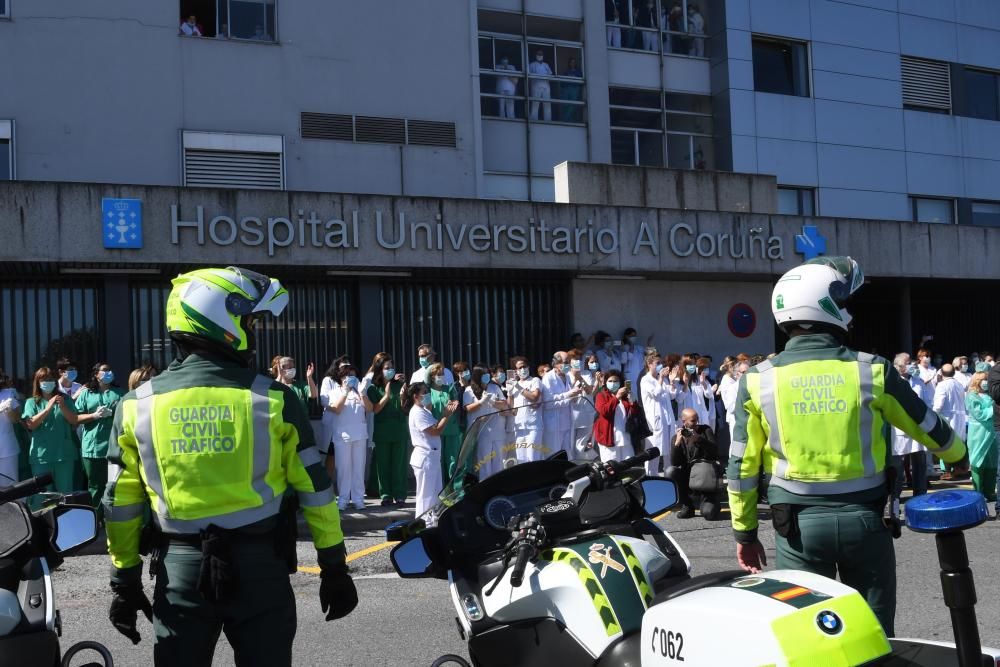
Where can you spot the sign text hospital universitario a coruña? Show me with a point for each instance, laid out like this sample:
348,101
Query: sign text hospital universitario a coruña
393,233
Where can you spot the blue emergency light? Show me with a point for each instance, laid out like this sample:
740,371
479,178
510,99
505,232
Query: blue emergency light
943,511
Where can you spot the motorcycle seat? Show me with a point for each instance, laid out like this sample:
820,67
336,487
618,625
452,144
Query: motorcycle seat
685,586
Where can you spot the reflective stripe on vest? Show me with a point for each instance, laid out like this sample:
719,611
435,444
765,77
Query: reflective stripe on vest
260,405
770,411
867,396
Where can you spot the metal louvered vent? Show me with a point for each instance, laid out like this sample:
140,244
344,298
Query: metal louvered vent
335,126
232,169
926,83
430,133
380,130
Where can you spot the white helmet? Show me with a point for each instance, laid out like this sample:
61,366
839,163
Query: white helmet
816,293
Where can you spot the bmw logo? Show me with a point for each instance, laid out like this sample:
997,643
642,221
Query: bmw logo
829,622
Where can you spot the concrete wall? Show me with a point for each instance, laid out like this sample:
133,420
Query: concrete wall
101,91
681,316
851,139
63,222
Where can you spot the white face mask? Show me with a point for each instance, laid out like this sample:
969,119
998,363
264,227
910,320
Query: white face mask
539,58
522,373
289,373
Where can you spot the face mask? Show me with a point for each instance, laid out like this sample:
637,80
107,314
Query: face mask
466,375
607,344
71,375
593,366
522,373
984,385
352,381
659,369
632,340
614,386
425,362
575,364
964,368
438,380
47,386
501,378
389,373
913,370
539,58
107,377
691,369
425,400
289,373
485,379
565,368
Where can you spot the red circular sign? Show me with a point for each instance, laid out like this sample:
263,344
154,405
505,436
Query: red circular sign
742,320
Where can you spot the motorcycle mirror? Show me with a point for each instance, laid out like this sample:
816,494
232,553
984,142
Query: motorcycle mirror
15,527
659,495
76,526
410,559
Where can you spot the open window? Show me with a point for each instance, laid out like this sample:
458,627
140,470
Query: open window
254,20
6,150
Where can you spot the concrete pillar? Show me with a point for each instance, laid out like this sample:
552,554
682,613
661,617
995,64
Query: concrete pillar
369,319
117,349
906,340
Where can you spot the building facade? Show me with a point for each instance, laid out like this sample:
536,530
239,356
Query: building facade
369,153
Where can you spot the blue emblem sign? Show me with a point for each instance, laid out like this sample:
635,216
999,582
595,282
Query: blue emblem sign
810,243
829,622
742,320
121,223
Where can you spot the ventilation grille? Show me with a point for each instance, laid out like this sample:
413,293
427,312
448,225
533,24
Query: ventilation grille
378,130
232,169
338,127
926,83
430,133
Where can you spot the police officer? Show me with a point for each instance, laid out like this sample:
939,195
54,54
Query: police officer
208,450
816,417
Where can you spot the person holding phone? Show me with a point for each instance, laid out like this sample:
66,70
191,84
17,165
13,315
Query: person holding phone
484,400
585,374
658,389
350,437
390,431
613,409
526,396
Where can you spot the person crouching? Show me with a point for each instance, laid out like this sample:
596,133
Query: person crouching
694,467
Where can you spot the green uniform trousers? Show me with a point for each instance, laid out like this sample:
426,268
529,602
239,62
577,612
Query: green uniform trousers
259,620
451,447
851,541
63,473
390,460
984,476
97,479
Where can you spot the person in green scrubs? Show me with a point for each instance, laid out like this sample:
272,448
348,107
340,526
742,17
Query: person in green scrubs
95,406
451,437
51,418
285,372
391,433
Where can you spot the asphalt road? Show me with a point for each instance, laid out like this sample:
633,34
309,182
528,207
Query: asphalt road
410,623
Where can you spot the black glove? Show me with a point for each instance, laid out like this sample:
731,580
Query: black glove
337,592
129,600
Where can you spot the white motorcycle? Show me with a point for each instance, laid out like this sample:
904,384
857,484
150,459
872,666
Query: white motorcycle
33,542
593,580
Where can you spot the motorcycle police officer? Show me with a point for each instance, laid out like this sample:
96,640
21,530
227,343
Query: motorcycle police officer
816,416
207,450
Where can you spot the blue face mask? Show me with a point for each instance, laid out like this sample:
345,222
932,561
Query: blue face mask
593,366
575,364
107,377
913,370
691,369
425,400
466,375
71,375
389,373
424,362
565,368
984,385
614,386
485,379
501,378
47,386
352,381
658,369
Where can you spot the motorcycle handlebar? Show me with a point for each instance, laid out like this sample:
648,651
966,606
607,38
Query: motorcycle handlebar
520,563
580,471
25,488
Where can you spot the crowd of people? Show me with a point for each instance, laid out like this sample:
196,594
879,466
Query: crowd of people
681,32
600,398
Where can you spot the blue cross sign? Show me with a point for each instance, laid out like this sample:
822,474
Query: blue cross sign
810,243
121,223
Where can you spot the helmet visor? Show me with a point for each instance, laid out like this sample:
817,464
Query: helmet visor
854,277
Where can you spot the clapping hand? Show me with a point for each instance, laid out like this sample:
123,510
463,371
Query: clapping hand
310,369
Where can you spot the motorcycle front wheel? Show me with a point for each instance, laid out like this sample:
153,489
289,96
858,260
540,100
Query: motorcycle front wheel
449,659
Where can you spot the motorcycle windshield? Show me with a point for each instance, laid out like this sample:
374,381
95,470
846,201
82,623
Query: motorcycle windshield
504,438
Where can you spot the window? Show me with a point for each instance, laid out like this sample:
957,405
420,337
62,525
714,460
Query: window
932,210
986,213
253,20
674,27
651,129
796,201
6,150
4,10
780,67
926,84
216,159
981,90
548,50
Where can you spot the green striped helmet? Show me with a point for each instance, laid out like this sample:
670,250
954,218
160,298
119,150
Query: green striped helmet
221,305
